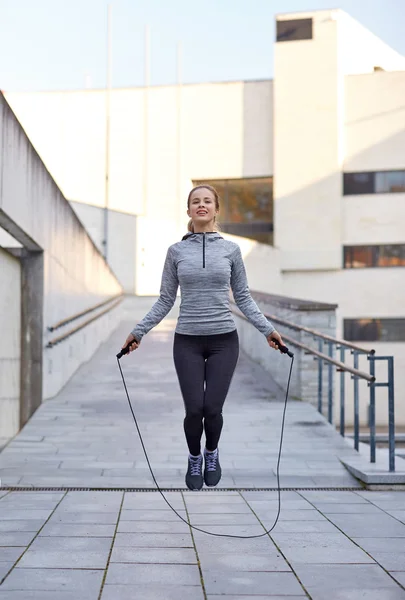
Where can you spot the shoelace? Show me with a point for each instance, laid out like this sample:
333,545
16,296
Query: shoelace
211,461
195,465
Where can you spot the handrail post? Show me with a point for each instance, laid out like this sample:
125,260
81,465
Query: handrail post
330,384
342,393
320,365
391,414
372,410
356,401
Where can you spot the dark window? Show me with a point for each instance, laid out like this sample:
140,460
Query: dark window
374,330
374,182
388,255
245,207
358,183
296,29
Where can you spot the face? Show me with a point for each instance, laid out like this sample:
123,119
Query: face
202,206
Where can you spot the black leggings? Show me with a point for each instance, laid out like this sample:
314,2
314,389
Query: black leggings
209,359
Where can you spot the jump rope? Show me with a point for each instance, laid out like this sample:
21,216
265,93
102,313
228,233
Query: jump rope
284,350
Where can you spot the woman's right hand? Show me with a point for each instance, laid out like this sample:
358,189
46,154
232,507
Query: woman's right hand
133,345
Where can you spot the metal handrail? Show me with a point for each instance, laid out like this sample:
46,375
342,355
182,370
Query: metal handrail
356,375
82,313
317,334
341,366
61,338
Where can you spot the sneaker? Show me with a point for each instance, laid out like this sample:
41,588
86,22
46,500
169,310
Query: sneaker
212,470
194,478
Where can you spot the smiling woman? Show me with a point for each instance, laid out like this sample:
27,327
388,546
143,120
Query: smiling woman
206,343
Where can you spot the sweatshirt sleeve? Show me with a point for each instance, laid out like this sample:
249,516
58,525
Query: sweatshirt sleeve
243,299
166,300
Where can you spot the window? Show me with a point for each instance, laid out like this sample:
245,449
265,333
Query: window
374,330
245,207
296,29
388,255
374,182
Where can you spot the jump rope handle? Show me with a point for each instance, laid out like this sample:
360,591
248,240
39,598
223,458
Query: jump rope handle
283,349
124,351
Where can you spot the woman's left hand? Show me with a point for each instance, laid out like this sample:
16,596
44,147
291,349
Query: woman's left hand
274,335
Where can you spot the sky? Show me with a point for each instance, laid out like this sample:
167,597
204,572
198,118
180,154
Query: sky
62,44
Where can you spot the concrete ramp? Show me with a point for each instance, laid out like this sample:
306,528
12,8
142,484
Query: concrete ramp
86,437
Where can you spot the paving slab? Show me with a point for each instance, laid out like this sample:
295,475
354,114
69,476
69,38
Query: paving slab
130,574
152,592
345,581
54,579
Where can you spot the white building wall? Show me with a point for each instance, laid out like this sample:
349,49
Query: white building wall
10,344
308,147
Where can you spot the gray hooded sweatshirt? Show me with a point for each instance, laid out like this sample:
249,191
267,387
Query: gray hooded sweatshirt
205,265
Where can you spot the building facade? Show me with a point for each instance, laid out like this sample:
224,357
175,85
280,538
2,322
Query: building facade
310,168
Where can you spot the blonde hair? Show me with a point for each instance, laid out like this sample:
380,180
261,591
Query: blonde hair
216,196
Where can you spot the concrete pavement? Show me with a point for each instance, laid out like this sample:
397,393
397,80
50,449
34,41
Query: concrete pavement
340,543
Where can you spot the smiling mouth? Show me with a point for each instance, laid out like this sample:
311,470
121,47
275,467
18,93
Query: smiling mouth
201,212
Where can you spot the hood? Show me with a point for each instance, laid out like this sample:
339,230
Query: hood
210,235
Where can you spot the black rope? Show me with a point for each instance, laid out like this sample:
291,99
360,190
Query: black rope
245,537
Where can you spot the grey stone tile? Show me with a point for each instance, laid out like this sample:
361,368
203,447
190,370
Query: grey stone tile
305,527
47,595
348,581
85,517
27,500
11,554
397,514
152,592
54,579
153,540
4,568
64,559
379,544
328,508
391,561
378,525
320,548
11,514
200,519
247,562
152,527
400,576
185,556
256,597
153,573
21,525
343,497
14,538
220,545
152,515
78,530
93,544
226,582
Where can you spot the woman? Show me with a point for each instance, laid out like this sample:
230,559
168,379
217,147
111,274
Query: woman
206,344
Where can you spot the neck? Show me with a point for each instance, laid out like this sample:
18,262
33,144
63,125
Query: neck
204,228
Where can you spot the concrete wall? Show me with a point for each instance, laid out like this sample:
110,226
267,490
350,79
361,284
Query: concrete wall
304,379
121,239
75,275
10,344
